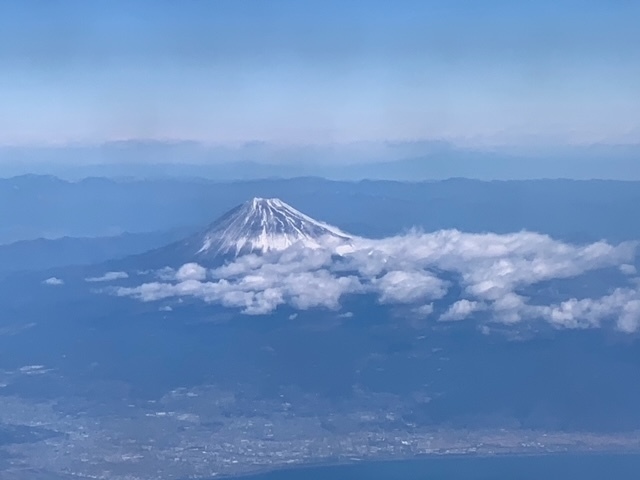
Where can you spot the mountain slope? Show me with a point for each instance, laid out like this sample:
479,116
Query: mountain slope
42,254
262,225
259,226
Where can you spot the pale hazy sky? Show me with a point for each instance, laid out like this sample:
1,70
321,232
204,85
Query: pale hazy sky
475,72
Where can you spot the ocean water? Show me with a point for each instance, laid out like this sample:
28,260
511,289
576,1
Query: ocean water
543,467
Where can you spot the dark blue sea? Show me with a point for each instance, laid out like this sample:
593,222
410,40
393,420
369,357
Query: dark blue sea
543,467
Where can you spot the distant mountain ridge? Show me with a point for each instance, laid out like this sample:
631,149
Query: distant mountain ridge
32,207
408,160
42,254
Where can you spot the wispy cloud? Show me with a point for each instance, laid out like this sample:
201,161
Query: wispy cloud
490,271
108,277
55,281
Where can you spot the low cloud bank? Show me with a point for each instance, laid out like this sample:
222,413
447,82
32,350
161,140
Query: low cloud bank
490,270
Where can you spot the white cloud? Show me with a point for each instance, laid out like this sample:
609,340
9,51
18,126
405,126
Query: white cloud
257,293
424,311
621,307
53,281
167,274
628,269
108,277
320,289
461,310
491,271
509,308
629,319
191,271
34,370
409,287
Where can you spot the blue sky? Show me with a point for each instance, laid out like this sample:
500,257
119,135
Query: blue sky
295,72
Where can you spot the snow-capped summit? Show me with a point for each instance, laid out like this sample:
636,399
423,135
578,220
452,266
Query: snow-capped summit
262,225
258,226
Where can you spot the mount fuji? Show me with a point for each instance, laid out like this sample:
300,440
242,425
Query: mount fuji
258,226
